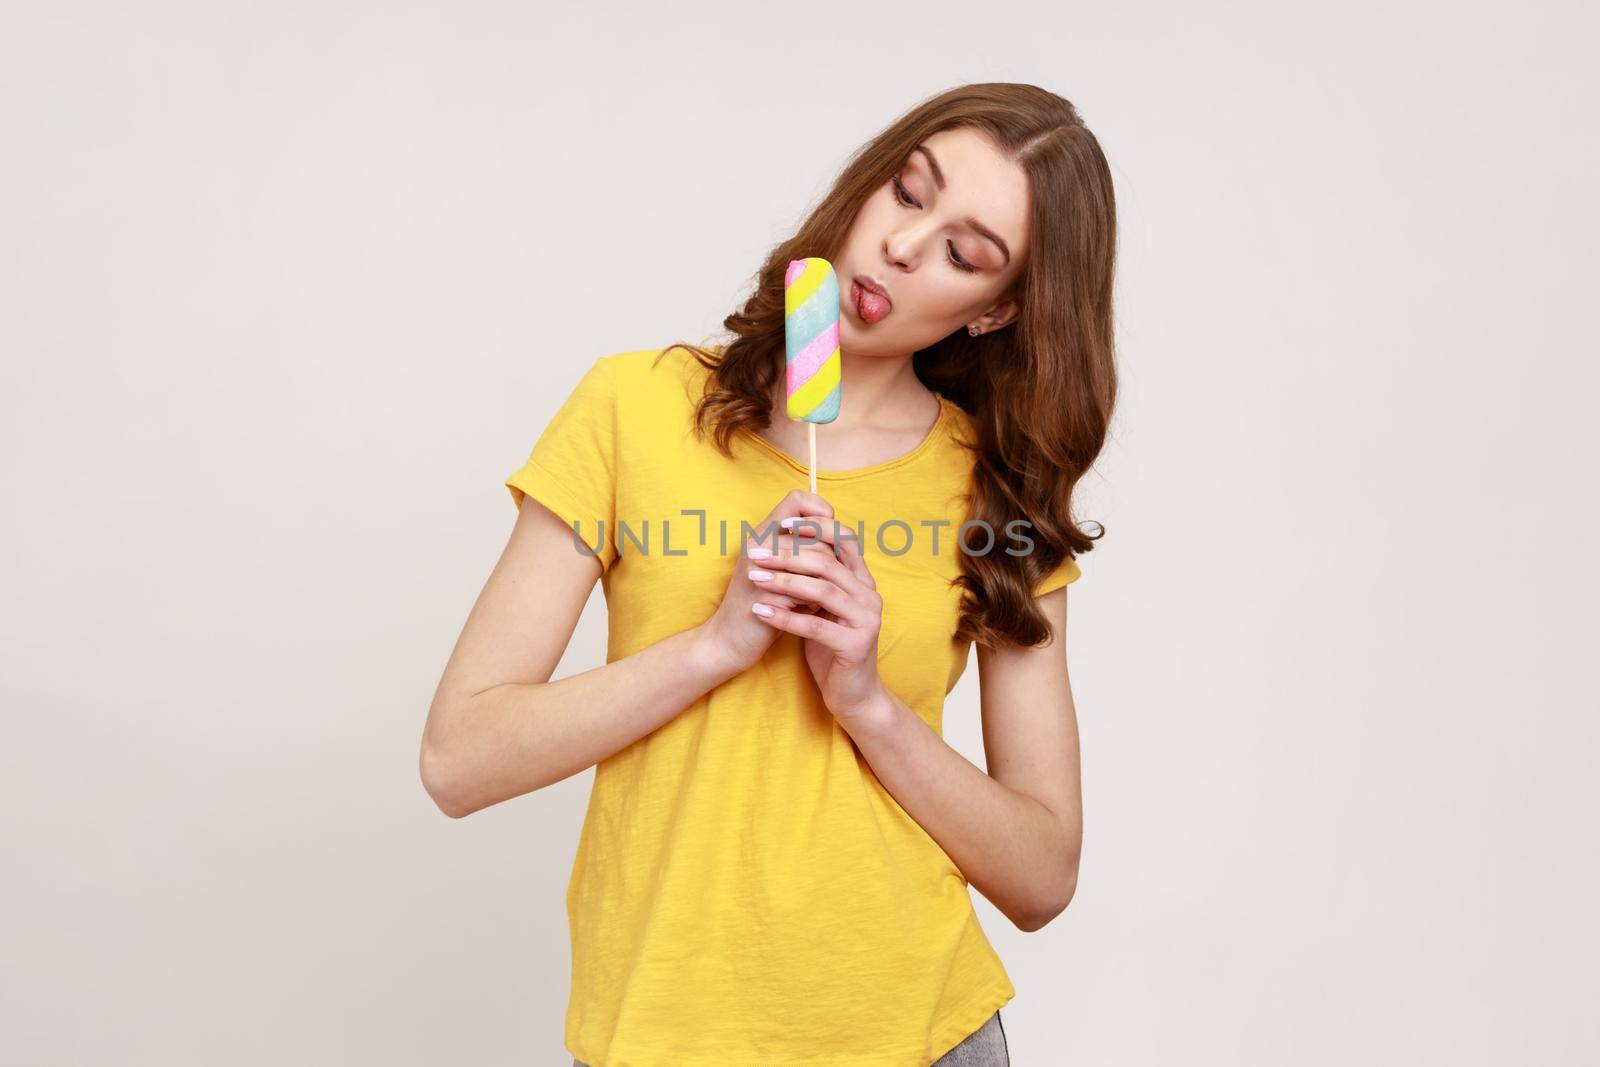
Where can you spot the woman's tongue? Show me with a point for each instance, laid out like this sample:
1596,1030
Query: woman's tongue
871,306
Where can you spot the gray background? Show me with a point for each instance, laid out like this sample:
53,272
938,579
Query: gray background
289,289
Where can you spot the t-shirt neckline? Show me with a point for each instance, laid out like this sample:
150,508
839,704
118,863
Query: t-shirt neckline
923,446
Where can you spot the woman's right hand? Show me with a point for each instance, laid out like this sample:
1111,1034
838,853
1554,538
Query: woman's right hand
734,636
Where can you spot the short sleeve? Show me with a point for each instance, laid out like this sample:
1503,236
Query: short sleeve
1063,575
572,468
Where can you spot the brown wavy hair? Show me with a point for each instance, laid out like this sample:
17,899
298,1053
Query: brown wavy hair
1040,393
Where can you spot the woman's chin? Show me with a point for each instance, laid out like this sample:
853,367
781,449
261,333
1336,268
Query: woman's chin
854,340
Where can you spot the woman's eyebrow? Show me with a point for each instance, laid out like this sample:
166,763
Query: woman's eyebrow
938,183
933,165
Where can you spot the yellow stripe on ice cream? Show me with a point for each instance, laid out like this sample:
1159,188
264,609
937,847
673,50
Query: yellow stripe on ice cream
817,387
806,285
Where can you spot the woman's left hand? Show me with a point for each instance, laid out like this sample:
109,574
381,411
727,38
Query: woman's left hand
841,637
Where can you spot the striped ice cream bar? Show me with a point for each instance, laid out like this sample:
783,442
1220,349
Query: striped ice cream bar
811,336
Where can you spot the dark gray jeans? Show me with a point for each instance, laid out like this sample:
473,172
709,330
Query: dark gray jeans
984,1047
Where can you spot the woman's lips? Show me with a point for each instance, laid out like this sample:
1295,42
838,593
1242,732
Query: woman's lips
869,305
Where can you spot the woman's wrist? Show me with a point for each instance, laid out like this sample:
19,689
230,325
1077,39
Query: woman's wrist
876,714
708,657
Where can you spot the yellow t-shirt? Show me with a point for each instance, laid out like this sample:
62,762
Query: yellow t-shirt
745,890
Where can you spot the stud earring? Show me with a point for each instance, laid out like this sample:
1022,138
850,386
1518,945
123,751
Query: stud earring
973,330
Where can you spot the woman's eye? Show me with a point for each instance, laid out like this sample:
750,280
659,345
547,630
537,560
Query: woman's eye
905,198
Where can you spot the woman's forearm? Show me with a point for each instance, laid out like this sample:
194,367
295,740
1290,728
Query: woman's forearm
1008,844
518,737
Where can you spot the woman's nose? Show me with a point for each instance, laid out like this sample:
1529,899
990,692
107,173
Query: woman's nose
900,247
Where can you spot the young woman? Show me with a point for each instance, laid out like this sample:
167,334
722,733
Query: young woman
775,861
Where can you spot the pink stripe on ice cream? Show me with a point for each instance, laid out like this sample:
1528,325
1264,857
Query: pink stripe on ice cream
811,358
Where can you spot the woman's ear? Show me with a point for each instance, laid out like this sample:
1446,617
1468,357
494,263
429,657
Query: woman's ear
1003,313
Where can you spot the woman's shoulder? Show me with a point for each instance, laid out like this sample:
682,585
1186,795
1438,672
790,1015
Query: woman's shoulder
961,430
652,389
649,369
